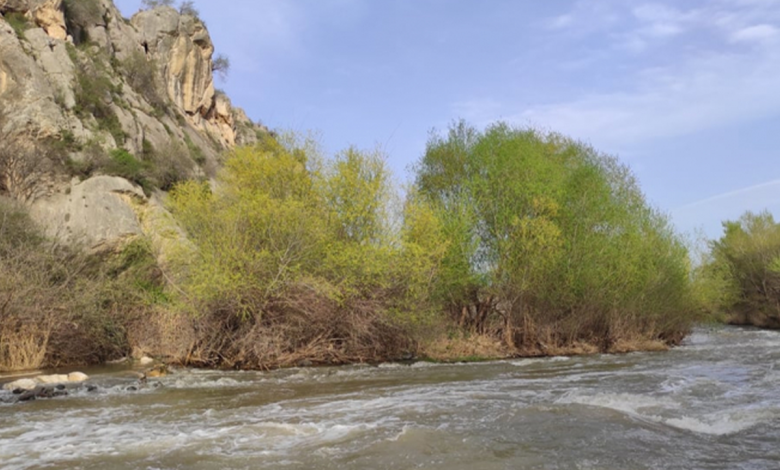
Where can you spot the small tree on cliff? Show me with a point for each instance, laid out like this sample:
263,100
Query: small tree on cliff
221,65
157,3
188,8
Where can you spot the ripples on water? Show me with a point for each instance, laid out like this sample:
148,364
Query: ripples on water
711,404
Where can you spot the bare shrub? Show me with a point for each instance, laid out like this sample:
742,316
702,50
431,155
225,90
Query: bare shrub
299,327
34,290
142,74
172,164
221,65
188,8
60,306
26,159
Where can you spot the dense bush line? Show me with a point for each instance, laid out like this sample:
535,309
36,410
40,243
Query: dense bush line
531,239
509,242
740,277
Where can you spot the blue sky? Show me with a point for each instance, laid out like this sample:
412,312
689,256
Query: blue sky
687,92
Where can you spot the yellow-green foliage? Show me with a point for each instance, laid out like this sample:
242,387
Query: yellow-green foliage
528,237
741,276
280,217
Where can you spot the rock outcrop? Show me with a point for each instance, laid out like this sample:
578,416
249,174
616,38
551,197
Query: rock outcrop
94,212
77,77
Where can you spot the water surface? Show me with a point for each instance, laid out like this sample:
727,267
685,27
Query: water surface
713,403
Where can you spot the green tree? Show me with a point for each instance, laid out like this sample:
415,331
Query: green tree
551,238
741,276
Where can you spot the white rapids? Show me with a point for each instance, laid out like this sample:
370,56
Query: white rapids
709,404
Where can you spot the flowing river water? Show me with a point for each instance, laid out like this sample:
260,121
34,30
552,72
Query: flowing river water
713,403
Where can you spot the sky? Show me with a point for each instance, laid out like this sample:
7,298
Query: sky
687,93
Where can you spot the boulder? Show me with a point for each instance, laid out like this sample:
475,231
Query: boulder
21,384
96,212
42,392
33,383
52,379
157,371
77,377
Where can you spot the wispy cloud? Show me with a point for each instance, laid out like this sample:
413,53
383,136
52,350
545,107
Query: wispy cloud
759,33
707,214
694,85
770,187
703,93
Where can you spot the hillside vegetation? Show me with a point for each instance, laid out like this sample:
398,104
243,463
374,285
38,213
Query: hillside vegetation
510,242
145,215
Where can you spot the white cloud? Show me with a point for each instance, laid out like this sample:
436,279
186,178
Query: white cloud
757,33
585,16
711,91
703,82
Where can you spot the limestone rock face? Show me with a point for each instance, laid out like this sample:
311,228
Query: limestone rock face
49,16
89,80
94,212
52,57
26,93
20,6
183,48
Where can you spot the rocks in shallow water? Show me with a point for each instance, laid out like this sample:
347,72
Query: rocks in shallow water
31,383
77,377
157,371
41,392
145,361
52,379
21,384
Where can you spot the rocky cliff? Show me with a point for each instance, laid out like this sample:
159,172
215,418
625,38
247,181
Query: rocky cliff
99,114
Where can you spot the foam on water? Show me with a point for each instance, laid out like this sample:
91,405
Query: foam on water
637,405
717,425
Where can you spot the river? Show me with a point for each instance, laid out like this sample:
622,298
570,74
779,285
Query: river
713,403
